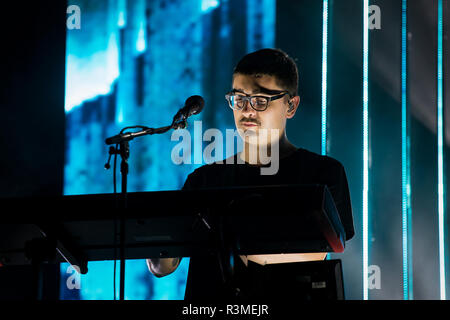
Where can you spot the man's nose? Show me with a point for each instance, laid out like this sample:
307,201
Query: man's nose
248,111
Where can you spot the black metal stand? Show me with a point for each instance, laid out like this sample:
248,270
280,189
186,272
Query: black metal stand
227,260
124,152
123,149
265,227
38,251
193,105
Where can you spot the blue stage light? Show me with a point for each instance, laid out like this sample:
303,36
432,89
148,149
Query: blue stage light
324,75
406,174
365,196
208,5
440,136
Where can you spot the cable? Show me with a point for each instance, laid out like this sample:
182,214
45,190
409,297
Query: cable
134,127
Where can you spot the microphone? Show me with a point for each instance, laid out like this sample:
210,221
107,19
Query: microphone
193,105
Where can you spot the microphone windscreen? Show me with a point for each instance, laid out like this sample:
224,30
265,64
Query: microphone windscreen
195,104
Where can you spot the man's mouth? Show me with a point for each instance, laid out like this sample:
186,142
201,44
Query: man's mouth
249,124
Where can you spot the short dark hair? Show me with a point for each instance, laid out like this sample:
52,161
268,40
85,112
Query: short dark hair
271,62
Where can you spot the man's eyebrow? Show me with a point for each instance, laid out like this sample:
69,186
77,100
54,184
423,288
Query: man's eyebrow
238,90
259,90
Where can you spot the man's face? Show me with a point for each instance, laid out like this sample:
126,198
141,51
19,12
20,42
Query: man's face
252,123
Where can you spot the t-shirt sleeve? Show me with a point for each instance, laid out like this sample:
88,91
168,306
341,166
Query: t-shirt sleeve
341,196
195,180
188,182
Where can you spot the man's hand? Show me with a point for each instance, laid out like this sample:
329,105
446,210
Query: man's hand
163,267
264,259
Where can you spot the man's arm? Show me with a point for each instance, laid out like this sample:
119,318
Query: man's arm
338,187
163,267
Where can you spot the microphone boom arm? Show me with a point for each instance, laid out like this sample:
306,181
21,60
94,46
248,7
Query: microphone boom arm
122,137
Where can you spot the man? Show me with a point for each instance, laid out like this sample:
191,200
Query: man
263,96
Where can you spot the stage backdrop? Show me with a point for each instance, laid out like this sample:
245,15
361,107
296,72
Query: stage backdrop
371,97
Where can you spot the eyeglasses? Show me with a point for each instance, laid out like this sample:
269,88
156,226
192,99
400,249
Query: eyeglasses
237,101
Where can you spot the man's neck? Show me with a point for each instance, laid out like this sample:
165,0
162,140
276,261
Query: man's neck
252,153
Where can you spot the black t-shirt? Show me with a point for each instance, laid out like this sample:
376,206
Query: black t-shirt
300,167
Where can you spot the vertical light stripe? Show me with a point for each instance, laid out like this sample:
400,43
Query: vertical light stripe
365,196
440,136
324,81
406,186
122,13
324,76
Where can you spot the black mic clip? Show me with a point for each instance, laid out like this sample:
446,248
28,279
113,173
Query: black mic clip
179,120
180,125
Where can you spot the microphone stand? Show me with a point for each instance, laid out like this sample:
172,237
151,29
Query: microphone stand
122,148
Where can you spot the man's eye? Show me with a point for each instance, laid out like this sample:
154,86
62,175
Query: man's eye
260,101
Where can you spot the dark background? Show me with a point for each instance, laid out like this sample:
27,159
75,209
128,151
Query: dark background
32,98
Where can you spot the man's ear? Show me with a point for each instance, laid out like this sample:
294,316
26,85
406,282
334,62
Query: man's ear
294,102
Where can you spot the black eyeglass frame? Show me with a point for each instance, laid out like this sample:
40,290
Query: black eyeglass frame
249,98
